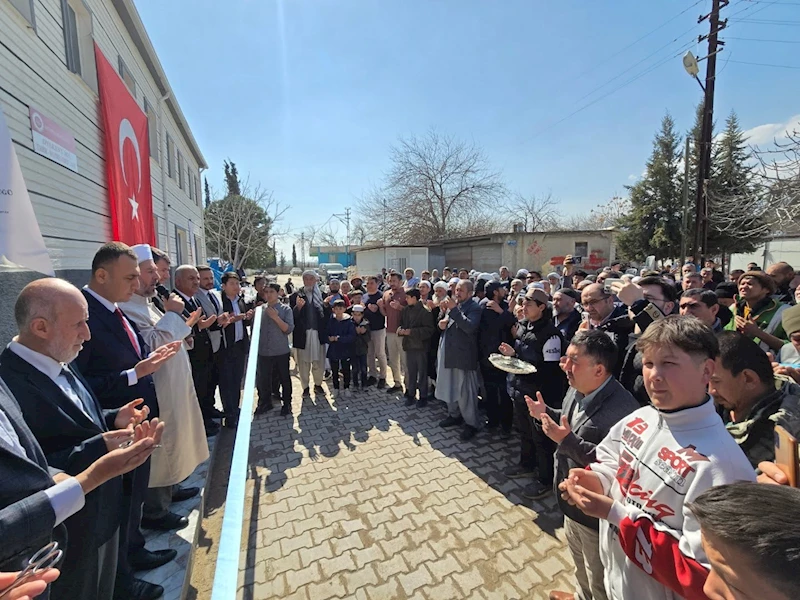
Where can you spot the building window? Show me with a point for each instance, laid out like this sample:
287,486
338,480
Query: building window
170,157
582,249
78,41
152,129
182,245
197,194
181,172
25,8
190,184
127,77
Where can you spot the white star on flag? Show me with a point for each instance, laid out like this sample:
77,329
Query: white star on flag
134,208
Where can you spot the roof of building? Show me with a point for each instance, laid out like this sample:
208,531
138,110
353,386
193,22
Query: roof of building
133,23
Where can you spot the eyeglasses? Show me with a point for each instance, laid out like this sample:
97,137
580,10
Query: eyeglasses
593,301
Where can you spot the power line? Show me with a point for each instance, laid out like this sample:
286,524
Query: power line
767,22
745,39
742,62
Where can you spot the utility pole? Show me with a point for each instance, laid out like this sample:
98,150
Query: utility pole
345,218
685,211
700,247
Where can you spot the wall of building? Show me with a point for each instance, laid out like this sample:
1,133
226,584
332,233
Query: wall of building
781,249
72,208
369,262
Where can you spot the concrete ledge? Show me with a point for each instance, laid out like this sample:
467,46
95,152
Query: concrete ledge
175,575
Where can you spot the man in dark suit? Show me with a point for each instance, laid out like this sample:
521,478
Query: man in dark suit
118,366
206,344
594,403
69,424
36,499
236,342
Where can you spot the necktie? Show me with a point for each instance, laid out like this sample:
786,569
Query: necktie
85,399
129,330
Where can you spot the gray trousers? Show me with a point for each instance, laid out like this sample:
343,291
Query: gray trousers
377,351
157,501
584,544
417,373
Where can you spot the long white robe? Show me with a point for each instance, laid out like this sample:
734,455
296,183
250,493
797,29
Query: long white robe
184,439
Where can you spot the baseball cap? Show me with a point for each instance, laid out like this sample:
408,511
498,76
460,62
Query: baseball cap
537,294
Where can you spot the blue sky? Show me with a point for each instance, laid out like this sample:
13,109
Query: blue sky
307,96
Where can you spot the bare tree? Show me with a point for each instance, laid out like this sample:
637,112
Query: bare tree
536,213
240,229
602,216
437,188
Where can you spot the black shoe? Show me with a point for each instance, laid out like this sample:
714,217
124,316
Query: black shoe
306,393
450,421
319,390
492,426
145,560
410,401
231,422
214,413
381,384
505,433
138,589
536,490
168,522
371,381
468,433
262,408
327,374
184,493
422,403
286,410
519,472
394,389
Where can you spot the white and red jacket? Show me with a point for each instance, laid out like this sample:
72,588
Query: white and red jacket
652,463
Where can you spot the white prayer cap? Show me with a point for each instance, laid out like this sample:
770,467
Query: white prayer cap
143,252
536,285
440,285
553,275
453,280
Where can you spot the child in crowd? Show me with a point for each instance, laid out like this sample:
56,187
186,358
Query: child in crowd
416,329
341,335
360,346
655,461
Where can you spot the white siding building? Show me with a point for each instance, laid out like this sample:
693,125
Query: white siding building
47,63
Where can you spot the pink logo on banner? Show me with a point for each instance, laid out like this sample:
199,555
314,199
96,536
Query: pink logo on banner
52,140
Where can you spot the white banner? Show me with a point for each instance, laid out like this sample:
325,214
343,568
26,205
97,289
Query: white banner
21,241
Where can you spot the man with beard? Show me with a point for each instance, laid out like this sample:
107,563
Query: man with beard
184,443
308,337
782,274
567,316
495,329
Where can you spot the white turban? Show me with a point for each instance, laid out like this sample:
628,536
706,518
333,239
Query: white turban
143,252
440,285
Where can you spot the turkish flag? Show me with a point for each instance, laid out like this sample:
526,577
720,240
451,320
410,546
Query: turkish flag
127,158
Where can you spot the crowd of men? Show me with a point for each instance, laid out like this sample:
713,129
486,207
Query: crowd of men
648,405
650,413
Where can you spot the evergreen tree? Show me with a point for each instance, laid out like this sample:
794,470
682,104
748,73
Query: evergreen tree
294,256
653,225
283,262
208,192
232,184
733,200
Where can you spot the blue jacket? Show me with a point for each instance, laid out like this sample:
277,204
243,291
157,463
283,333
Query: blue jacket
346,330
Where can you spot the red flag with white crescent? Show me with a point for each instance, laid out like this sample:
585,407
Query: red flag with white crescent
127,158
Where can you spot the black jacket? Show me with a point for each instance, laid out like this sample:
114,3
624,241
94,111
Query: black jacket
577,450
419,320
495,329
105,358
461,336
302,318
570,325
618,327
361,345
229,333
630,375
542,345
71,442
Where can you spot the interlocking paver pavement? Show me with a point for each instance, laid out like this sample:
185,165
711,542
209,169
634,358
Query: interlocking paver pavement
362,497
